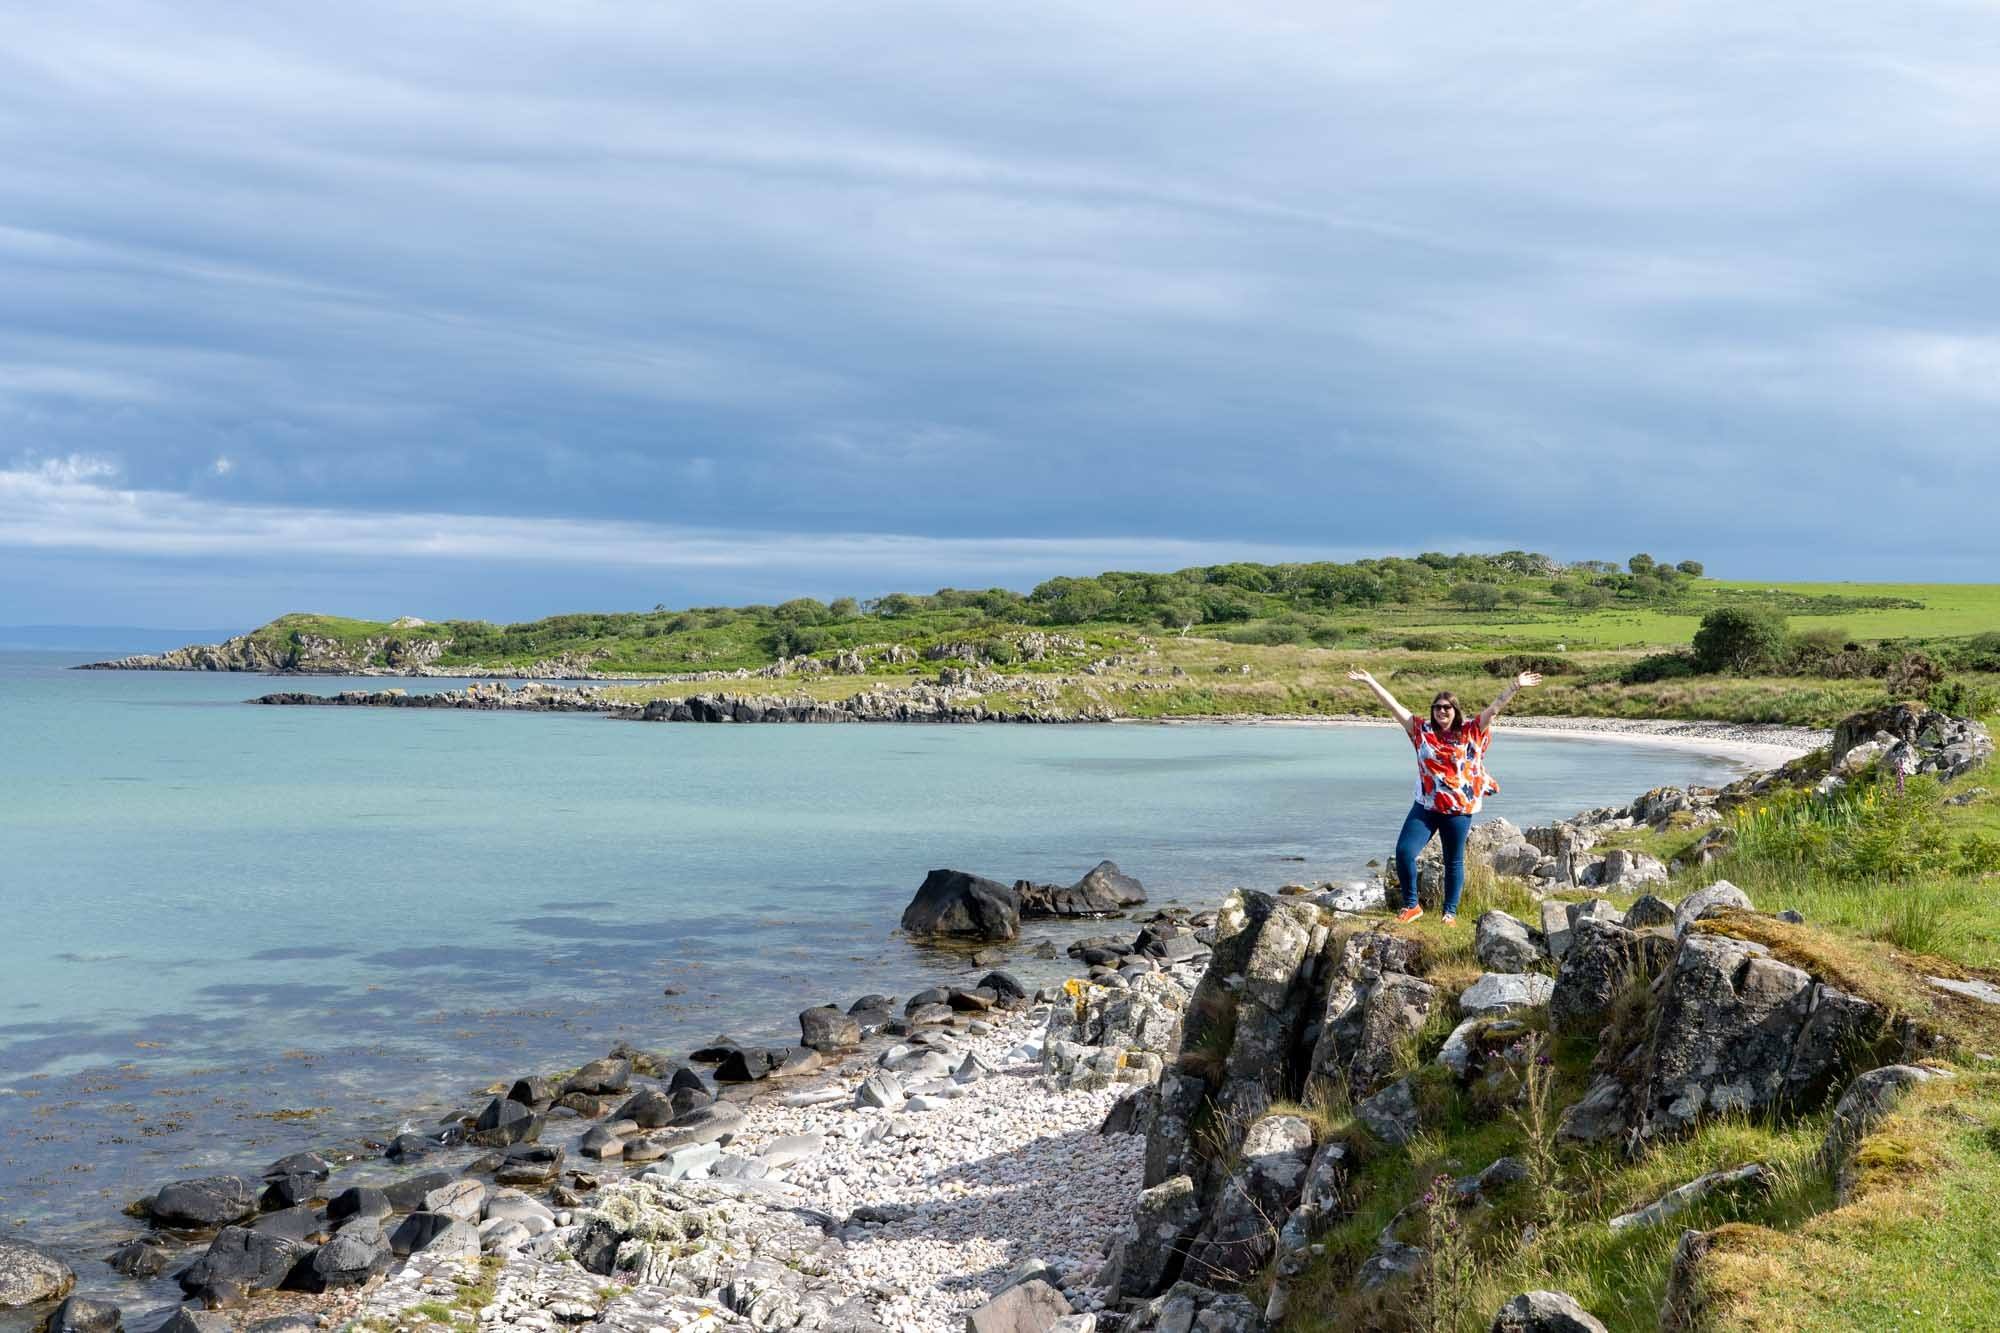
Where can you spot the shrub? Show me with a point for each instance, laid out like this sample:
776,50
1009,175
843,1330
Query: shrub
1475,596
1743,639
1913,676
1425,643
1513,664
1958,698
1659,666
1271,633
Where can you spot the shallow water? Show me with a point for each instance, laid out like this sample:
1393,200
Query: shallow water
231,932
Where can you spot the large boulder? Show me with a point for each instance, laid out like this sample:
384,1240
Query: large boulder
1362,1021
81,1314
1740,1032
1241,1233
211,1201
951,902
504,1121
828,1029
1109,1035
30,1275
359,1251
1270,1004
1103,890
1627,870
252,1260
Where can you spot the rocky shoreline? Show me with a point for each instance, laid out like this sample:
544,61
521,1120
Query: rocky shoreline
974,1157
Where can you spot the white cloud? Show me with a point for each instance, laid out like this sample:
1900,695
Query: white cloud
66,505
222,466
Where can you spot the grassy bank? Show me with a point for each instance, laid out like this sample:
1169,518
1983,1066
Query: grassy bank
1893,888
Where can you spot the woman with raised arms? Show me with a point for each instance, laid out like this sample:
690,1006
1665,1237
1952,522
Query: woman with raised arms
1452,783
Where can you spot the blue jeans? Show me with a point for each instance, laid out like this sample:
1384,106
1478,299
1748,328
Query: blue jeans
1418,826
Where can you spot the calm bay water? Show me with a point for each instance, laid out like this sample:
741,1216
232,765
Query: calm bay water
219,916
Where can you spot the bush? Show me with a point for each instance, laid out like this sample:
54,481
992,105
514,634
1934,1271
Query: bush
1659,666
1957,698
1270,633
1513,664
1476,596
1741,639
1913,676
1425,643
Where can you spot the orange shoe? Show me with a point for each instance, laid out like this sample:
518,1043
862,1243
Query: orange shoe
1409,914
1451,918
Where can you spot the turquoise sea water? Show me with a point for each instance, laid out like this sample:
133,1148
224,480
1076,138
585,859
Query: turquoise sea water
215,912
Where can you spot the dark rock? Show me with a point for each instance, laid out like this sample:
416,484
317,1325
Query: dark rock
603,1077
596,1246
868,1003
530,1164
423,1231
253,1260
704,1124
686,1078
1647,910
933,995
281,1192
1792,917
359,1252
715,1052
599,1143
407,1195
534,1090
798,1060
989,957
747,1065
299,1164
30,1275
139,1258
80,1314
504,1122
1002,984
648,1108
589,1105
930,1013
298,1224
212,1201
973,1001
827,1029
409,1147
1107,880
951,902
685,1100
358,1201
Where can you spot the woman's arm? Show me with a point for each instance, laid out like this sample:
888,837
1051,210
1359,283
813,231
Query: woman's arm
1514,687
1388,699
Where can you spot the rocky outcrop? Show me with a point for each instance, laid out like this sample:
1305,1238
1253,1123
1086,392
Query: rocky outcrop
1909,738
1104,1035
954,903
1104,890
1241,1232
1544,1312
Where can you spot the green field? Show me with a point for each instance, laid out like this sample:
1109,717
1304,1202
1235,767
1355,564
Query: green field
1265,640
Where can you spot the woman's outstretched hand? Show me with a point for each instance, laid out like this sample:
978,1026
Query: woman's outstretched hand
1356,673
1527,678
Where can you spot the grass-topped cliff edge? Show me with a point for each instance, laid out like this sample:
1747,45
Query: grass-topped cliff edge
1646,639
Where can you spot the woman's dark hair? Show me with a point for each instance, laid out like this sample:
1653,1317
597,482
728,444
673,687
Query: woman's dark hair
1457,712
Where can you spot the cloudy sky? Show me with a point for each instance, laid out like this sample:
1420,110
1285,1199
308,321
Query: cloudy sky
504,308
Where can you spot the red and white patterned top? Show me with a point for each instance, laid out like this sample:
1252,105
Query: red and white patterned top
1451,772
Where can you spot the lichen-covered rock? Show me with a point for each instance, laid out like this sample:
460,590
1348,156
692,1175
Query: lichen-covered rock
1739,1031
1626,870
1189,1308
1646,910
1170,1147
1269,1010
30,1275
1497,993
1717,897
1752,1179
1372,1007
1242,1229
1026,1307
1391,1114
1602,1115
1503,944
1103,1035
1601,961
1318,1206
1149,1253
1544,1312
